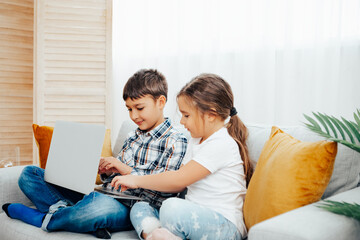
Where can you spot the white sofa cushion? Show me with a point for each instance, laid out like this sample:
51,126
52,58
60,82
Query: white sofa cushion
14,229
9,188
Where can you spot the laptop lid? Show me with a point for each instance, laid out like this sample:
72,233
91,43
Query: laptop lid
74,155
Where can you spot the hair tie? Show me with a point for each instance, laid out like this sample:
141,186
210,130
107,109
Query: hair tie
233,111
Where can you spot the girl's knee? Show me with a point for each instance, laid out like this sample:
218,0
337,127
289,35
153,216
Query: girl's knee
170,208
172,204
141,210
139,206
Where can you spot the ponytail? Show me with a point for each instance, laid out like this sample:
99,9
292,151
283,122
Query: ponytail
238,131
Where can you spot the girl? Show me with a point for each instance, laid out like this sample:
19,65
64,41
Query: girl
216,171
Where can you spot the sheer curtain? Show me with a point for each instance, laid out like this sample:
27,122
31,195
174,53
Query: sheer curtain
282,58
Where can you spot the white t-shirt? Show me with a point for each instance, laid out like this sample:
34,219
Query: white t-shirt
224,189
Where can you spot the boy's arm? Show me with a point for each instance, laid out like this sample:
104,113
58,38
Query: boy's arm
171,159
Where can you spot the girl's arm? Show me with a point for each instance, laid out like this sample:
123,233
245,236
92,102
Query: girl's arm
170,181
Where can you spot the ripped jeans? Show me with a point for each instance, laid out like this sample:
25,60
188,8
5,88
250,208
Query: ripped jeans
185,219
84,213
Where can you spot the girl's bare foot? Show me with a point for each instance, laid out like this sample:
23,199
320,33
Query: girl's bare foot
162,234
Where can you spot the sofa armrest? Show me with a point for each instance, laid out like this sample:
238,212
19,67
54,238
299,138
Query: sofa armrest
310,222
9,189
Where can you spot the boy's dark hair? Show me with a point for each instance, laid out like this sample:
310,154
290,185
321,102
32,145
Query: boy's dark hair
145,82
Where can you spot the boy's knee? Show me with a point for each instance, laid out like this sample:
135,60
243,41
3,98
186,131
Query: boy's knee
28,170
27,173
98,200
105,205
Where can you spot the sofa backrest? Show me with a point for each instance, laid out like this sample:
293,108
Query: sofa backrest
346,174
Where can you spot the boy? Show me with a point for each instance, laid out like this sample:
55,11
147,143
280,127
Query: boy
152,148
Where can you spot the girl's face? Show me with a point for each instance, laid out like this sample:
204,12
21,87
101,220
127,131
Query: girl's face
191,118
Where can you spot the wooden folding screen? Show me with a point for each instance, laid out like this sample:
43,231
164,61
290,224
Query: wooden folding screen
73,61
16,81
55,64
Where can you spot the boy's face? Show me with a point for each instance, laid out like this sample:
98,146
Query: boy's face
146,112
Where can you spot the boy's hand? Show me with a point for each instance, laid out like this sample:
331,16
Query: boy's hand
126,182
108,165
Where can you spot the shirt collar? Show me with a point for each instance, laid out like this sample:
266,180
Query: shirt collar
158,131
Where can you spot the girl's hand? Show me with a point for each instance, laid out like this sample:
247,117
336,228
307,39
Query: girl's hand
108,165
126,182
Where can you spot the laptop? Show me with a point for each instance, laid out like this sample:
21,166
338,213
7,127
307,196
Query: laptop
74,157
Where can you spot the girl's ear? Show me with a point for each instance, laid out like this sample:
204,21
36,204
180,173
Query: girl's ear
211,115
161,101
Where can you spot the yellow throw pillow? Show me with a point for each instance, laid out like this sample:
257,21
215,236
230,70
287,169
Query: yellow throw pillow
43,136
289,174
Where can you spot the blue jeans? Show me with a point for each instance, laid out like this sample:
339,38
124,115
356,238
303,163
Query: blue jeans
186,220
85,213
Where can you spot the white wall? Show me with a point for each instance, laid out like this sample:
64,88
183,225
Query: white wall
282,59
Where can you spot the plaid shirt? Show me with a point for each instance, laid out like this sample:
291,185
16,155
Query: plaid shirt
161,149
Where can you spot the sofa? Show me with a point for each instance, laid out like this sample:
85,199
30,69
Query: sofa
306,222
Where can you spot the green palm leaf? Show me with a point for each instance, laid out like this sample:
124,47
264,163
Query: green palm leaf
322,122
346,143
355,125
312,121
347,129
347,209
344,127
352,128
332,119
326,119
357,118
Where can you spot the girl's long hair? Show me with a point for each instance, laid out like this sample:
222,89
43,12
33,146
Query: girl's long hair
210,93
